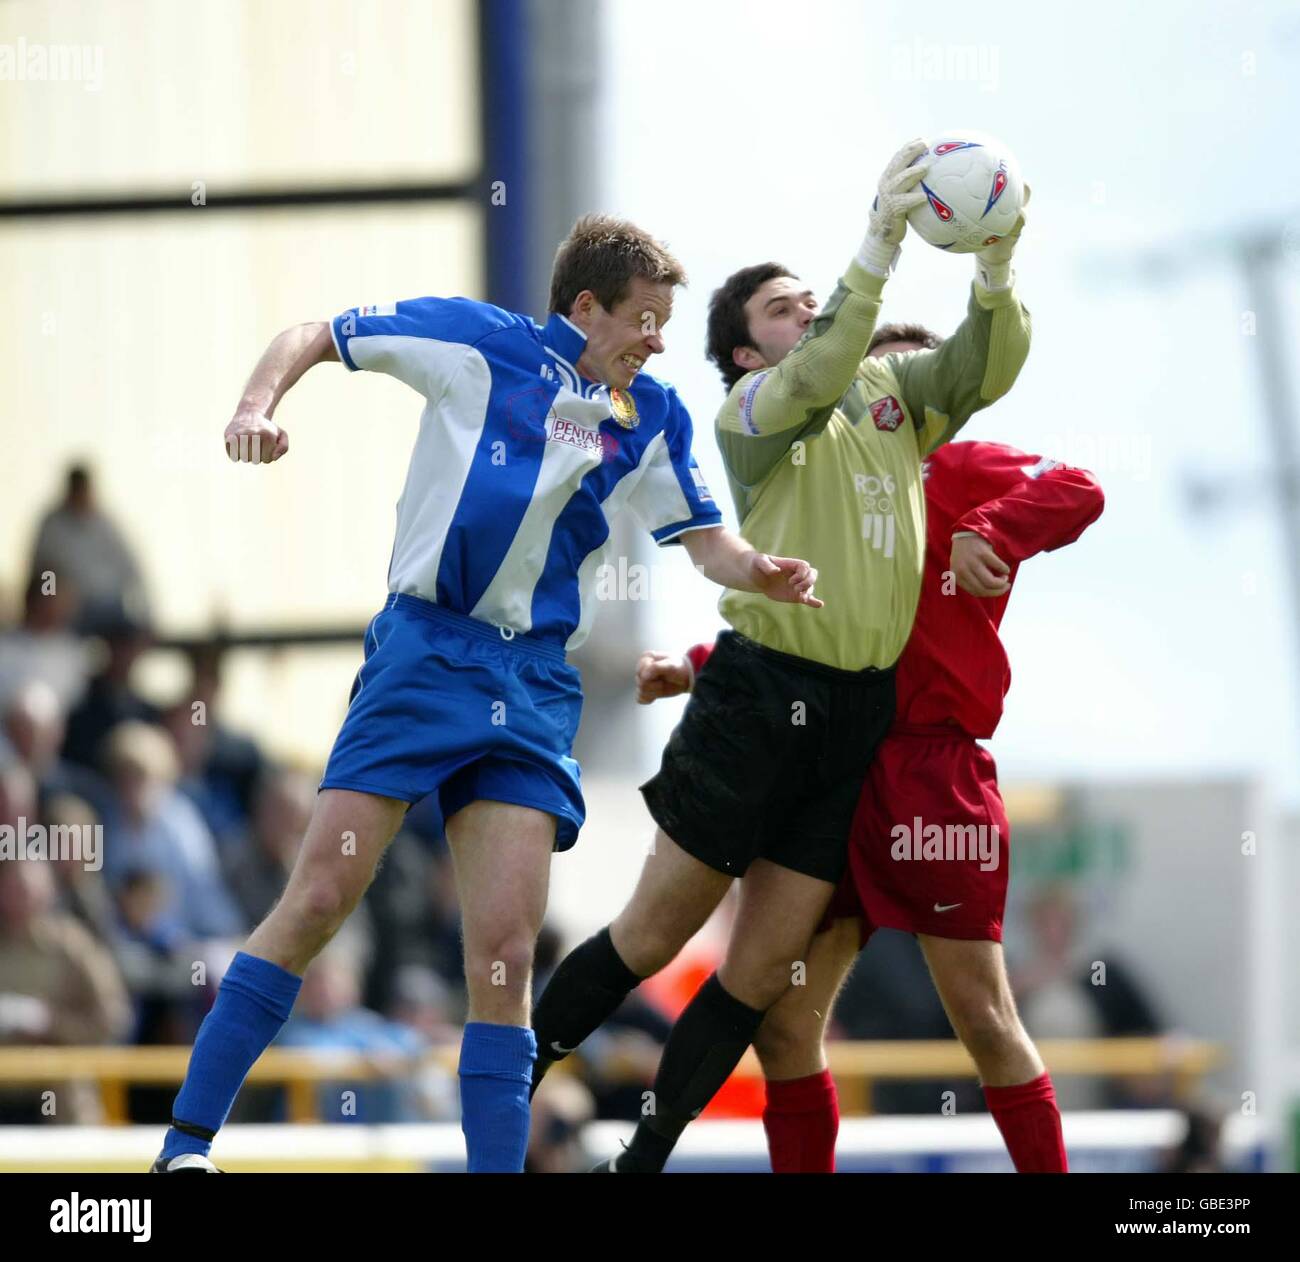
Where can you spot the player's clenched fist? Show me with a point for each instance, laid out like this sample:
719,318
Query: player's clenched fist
977,568
661,675
253,438
785,579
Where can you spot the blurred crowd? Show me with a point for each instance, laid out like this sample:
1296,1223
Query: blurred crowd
199,830
187,833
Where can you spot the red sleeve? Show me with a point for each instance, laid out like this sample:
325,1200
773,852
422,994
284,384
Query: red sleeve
1027,504
697,655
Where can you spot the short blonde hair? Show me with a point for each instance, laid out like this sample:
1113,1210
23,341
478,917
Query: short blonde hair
605,254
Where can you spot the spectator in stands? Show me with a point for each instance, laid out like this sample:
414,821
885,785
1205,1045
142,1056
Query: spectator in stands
33,726
82,892
44,645
57,985
561,1108
1200,1151
17,790
219,766
110,698
425,1003
150,826
415,916
258,863
1061,994
328,1015
77,542
154,955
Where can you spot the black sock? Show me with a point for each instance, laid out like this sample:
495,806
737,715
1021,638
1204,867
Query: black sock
583,993
706,1044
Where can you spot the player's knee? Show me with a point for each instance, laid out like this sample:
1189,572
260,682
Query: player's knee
758,983
504,963
784,1044
767,987
322,905
986,1027
644,945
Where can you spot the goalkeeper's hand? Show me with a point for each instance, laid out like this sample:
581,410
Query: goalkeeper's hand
993,264
896,195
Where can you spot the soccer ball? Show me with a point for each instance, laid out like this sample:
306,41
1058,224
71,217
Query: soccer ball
973,193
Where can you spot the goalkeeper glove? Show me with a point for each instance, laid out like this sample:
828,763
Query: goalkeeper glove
993,263
896,194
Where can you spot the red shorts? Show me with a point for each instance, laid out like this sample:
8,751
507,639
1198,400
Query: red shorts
928,851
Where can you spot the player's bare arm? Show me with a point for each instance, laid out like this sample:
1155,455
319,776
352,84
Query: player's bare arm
729,561
252,437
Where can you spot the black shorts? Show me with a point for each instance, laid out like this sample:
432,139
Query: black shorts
769,758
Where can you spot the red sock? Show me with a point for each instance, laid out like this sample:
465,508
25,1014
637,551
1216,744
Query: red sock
1030,1124
802,1119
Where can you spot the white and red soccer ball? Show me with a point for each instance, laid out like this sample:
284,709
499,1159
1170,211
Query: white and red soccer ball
973,193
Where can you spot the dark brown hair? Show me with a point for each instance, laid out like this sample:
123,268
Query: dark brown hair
605,254
728,325
930,340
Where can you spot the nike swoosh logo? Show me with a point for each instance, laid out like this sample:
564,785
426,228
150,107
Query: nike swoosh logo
949,907
561,1051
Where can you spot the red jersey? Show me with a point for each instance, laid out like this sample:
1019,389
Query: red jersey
954,670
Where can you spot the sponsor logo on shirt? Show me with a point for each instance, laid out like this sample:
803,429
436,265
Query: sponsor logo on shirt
887,413
879,528
534,417
599,443
878,532
378,309
558,430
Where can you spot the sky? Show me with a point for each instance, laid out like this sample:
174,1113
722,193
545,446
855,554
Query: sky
1162,642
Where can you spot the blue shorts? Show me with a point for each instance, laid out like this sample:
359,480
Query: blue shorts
445,704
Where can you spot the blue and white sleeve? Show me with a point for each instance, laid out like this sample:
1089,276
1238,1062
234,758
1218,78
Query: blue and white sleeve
672,497
420,341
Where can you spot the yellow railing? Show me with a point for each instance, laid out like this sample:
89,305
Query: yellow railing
855,1066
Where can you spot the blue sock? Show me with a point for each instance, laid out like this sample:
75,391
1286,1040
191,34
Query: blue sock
496,1070
253,1003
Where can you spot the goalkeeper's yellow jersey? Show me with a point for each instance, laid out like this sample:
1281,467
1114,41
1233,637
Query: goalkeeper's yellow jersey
823,454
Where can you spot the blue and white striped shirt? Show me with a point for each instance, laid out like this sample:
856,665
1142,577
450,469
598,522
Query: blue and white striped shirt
519,465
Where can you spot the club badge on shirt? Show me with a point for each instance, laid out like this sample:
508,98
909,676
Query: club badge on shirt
887,413
623,408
